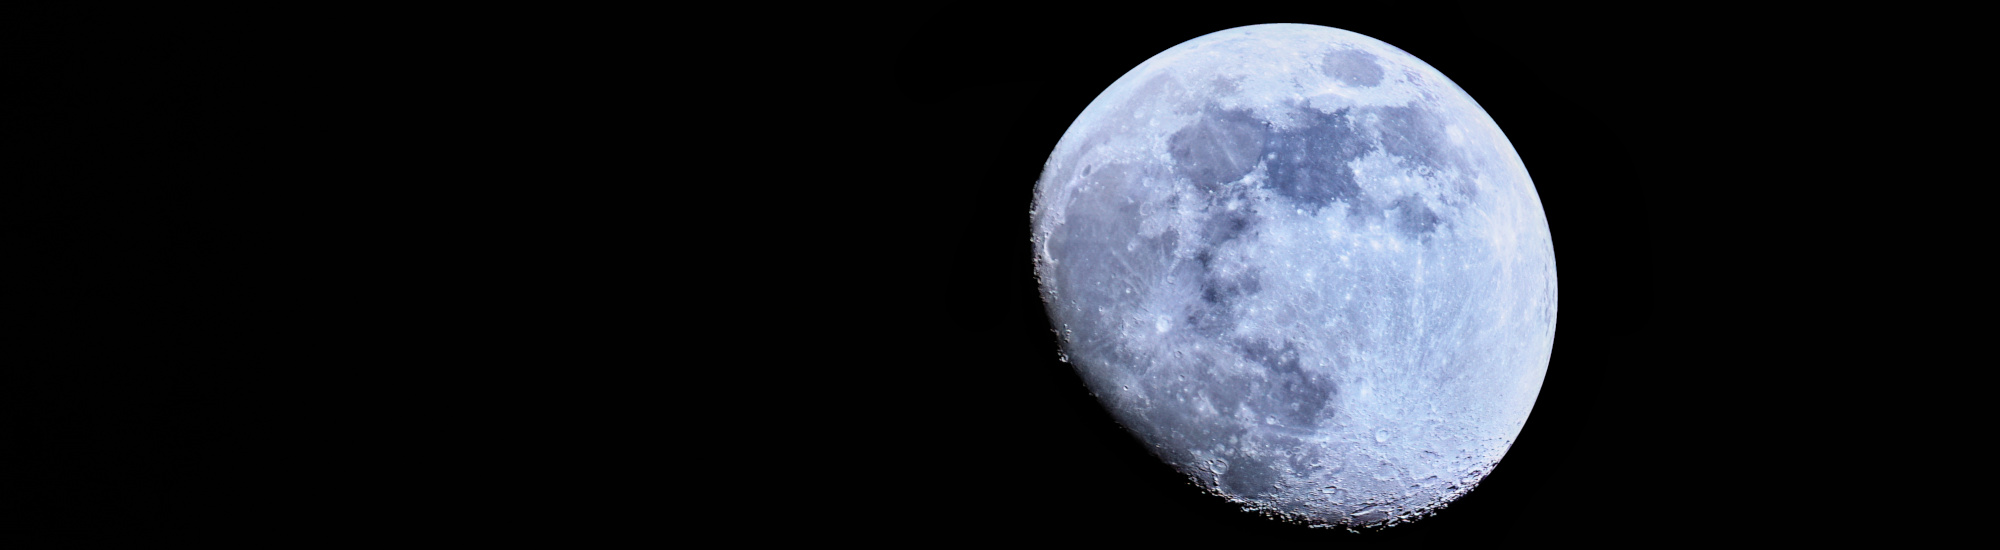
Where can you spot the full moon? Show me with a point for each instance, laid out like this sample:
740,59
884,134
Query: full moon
1304,268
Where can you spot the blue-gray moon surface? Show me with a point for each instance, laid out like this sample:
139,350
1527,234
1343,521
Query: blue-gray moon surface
1304,268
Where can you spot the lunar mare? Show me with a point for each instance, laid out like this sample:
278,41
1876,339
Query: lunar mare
1303,267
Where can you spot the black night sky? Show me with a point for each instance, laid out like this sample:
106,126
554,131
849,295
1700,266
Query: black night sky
487,272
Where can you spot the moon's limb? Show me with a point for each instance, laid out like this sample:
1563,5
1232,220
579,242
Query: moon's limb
1305,268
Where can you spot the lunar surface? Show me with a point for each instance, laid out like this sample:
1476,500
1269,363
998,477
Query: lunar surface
1303,267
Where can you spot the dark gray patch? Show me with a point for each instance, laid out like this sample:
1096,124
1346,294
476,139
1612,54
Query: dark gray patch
1216,314
1309,165
1413,133
1414,218
1251,477
1353,67
1294,395
1219,147
1223,291
1227,225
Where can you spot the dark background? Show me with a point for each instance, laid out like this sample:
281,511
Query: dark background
109,275
503,272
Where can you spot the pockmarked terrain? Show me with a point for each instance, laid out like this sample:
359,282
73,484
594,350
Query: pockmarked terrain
1304,268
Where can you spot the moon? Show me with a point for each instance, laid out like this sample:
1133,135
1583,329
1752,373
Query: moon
1304,268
